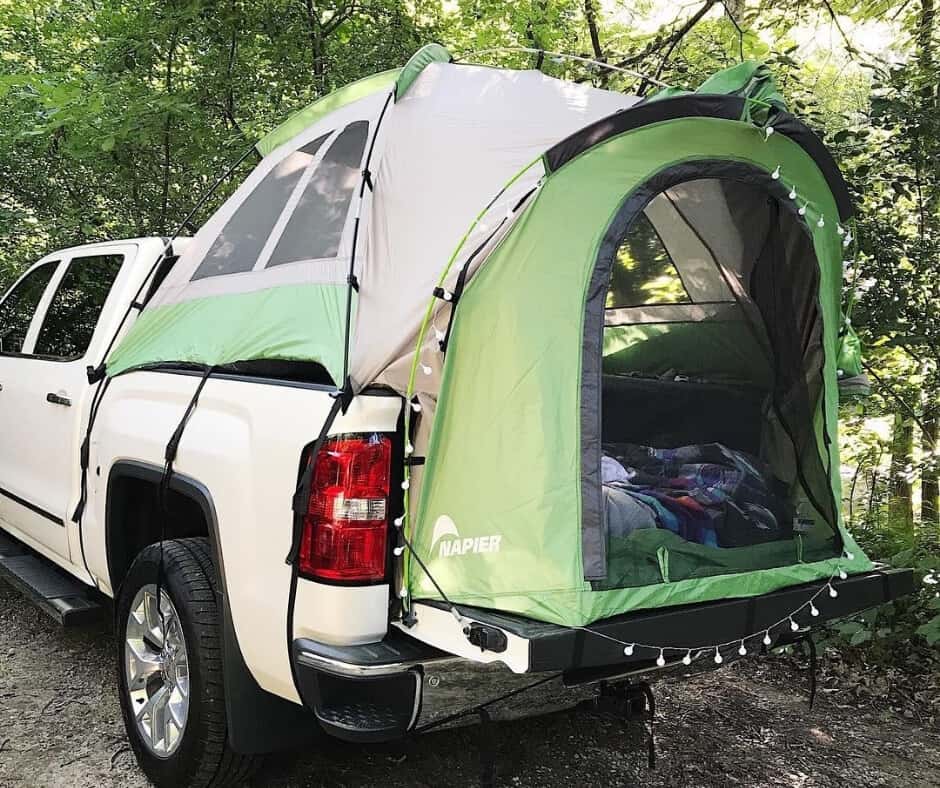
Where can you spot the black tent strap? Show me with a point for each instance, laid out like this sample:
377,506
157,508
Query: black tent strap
169,454
462,276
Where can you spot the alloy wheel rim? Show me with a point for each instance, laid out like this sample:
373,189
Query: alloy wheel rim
156,667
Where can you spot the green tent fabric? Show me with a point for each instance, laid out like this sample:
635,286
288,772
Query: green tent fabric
430,53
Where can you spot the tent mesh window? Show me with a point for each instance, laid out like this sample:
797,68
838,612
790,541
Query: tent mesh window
711,391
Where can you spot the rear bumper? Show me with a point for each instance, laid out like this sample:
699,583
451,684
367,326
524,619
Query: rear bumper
385,690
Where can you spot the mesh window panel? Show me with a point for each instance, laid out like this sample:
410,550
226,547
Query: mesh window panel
16,310
643,272
70,321
316,225
244,235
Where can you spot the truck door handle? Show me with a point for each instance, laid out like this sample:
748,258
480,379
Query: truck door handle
57,399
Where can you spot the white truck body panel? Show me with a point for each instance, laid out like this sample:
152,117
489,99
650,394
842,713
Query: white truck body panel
243,444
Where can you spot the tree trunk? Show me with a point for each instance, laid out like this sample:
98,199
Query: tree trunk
901,506
930,474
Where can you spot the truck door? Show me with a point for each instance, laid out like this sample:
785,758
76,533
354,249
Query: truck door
45,397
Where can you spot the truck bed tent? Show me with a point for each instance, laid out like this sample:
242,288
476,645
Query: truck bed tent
616,322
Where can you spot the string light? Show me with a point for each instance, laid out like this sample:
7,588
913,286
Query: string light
718,657
832,591
794,627
813,610
405,484
843,575
398,551
767,641
768,132
776,173
416,407
409,449
399,521
742,650
792,194
661,660
802,211
403,593
687,659
426,369
822,221
628,650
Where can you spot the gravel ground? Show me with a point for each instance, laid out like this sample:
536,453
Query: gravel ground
746,725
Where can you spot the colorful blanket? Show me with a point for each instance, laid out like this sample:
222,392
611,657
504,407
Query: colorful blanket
707,493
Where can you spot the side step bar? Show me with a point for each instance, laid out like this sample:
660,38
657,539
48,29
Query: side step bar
67,600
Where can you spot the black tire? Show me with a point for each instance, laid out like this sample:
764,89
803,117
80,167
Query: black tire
203,757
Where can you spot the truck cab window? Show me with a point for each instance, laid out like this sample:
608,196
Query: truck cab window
17,309
70,321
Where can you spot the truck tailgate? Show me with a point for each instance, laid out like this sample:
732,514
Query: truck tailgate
557,648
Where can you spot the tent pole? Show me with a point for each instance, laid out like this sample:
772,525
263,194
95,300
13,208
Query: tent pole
351,282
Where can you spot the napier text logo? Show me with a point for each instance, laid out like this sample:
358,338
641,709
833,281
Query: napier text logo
446,534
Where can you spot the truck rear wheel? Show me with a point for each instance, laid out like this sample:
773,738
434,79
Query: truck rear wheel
169,657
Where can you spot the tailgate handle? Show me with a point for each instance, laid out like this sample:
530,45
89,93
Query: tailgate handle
487,638
58,399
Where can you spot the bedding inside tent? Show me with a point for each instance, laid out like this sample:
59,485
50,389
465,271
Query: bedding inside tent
712,374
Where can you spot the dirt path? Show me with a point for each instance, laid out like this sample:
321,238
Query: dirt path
746,725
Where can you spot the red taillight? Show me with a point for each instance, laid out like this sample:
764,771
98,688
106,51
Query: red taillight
346,523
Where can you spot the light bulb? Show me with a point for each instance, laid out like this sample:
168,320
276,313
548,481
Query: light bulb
628,650
399,521
832,592
766,641
660,660
416,407
776,173
821,222
792,194
398,550
802,211
409,449
742,650
448,296
403,593
718,659
840,230
793,625
849,556
426,369
813,610
843,575
405,484
687,659
767,132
